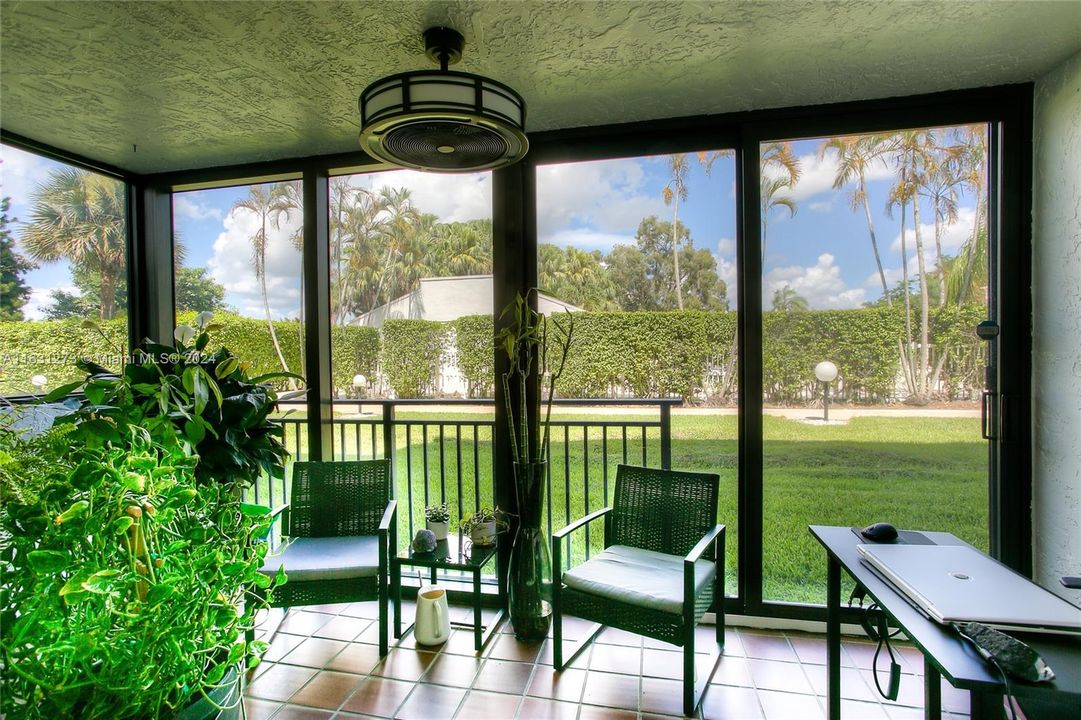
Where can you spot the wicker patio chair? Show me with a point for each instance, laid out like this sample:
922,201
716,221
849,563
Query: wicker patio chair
341,525
653,577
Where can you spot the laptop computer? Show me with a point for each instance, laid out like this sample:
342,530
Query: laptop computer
957,583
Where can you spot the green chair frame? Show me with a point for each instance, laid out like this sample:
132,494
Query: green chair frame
666,511
341,499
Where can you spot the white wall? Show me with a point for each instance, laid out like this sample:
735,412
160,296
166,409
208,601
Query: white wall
1056,342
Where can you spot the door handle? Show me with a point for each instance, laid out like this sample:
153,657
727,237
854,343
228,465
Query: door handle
985,420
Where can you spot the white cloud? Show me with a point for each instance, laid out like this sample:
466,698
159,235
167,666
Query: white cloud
726,247
606,196
190,205
817,176
953,236
821,285
231,265
452,198
825,206
588,239
41,298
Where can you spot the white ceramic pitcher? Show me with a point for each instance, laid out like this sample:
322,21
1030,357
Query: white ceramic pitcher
432,625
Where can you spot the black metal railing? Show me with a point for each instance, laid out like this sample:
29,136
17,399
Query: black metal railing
441,451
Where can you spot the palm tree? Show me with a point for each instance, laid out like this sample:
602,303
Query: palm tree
855,154
941,188
780,171
80,217
973,172
400,220
362,235
267,203
912,151
462,249
788,300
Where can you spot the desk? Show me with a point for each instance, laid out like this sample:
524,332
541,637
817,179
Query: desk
449,554
945,654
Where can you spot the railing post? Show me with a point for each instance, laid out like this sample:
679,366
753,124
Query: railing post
388,437
666,436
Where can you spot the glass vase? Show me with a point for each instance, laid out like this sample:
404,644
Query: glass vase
529,577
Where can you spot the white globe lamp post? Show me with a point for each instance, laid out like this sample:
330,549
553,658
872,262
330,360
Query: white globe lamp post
359,383
826,372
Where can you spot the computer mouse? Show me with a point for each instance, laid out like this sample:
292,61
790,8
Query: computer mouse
879,532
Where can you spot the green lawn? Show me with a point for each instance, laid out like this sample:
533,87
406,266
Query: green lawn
920,473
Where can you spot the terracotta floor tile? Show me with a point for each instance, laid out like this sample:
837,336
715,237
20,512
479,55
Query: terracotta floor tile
330,609
809,649
616,659
461,642
768,647
378,696
954,700
489,706
456,670
909,693
731,703
857,654
431,702
662,696
615,636
294,712
853,686
342,628
612,690
280,682
356,658
536,709
314,652
406,665
577,629
733,671
733,644
368,609
548,683
862,710
507,647
779,676
569,648
593,712
304,623
900,712
283,643
504,676
256,709
789,705
327,690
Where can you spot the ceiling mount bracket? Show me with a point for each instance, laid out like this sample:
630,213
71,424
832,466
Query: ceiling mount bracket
443,46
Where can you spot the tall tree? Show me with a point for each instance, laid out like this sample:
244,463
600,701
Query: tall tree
80,217
786,299
14,292
198,292
855,155
941,187
267,203
674,191
972,140
780,171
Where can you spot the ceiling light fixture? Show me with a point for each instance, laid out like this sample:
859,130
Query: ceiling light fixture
443,120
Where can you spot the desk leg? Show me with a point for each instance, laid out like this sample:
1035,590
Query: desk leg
932,691
478,621
833,638
986,705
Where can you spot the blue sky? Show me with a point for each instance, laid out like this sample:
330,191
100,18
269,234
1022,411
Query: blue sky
823,252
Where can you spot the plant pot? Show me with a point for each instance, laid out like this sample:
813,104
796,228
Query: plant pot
483,535
438,528
529,575
222,701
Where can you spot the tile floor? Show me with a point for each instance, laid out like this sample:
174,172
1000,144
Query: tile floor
324,663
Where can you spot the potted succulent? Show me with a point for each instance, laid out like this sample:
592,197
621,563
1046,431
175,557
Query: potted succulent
437,519
483,526
128,573
531,345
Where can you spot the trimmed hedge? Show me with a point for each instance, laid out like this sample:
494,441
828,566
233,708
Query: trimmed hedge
476,355
412,355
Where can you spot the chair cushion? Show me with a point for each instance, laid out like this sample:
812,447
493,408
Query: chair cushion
638,577
326,558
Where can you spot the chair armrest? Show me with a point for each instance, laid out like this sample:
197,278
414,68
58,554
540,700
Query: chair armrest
580,522
388,516
698,550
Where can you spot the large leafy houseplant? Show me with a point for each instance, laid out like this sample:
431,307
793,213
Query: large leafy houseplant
531,346
127,573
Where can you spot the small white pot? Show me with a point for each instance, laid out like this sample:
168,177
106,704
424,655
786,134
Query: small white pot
483,535
438,528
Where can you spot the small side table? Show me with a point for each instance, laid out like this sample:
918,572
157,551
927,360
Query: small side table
449,554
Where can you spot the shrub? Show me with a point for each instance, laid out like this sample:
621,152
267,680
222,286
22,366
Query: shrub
412,354
476,354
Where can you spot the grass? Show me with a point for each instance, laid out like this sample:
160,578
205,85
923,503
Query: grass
917,473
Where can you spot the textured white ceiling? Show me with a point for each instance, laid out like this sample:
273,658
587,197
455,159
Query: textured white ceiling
195,84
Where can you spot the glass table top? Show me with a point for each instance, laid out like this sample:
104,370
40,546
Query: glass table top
456,552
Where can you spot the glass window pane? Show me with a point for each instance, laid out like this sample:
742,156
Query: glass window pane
63,260
643,252
874,261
